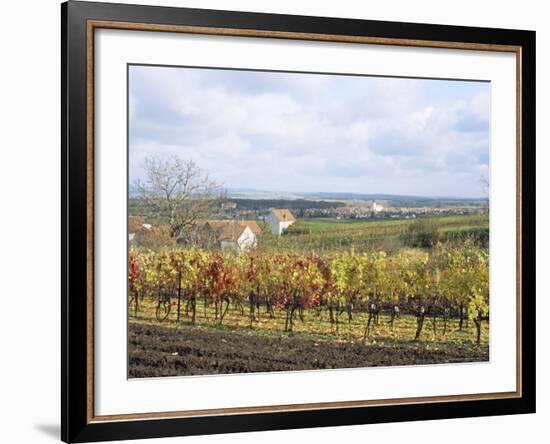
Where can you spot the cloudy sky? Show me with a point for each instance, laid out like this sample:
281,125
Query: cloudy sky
314,132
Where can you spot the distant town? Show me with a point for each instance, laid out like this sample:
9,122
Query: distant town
353,209
239,222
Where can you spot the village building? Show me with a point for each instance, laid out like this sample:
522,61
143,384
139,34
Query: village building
147,235
279,220
135,225
376,207
228,205
241,235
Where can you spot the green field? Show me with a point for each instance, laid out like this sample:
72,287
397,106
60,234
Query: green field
447,223
325,234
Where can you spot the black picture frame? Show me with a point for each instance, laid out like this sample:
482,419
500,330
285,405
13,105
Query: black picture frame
76,423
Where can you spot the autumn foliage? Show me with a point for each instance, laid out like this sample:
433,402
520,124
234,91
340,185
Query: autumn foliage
446,281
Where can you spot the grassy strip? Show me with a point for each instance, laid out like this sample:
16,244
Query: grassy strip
317,326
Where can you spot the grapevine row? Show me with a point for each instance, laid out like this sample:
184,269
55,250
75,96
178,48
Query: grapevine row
448,280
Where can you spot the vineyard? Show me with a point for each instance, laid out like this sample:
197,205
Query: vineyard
449,286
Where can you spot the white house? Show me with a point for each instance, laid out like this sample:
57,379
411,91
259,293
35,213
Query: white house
376,207
239,234
279,220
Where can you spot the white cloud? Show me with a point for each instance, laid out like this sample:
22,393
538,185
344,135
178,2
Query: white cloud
302,132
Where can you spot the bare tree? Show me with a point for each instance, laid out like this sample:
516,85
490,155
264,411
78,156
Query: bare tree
180,191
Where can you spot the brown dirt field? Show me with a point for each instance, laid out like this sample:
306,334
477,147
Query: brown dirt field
162,351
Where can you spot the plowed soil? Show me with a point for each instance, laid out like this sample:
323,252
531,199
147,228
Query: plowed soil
163,351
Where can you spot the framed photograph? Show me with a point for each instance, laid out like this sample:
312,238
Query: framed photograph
275,221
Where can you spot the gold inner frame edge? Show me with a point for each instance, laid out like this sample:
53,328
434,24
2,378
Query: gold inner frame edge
92,25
